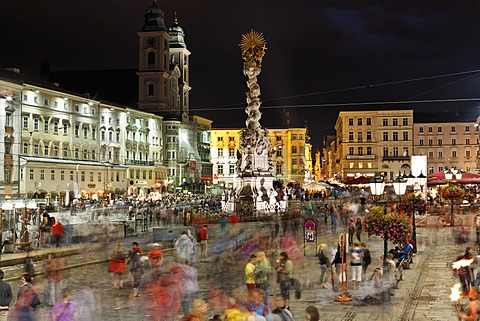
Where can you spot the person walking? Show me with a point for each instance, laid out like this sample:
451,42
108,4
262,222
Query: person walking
6,297
351,230
356,256
136,269
250,273
117,265
53,268
27,300
65,309
86,303
263,269
323,260
358,229
155,259
203,237
366,260
334,218
184,248
284,268
45,229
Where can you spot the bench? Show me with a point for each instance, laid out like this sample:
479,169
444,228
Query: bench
24,246
403,264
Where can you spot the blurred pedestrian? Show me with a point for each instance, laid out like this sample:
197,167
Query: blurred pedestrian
29,263
86,303
45,229
312,314
155,258
263,270
351,230
117,265
57,232
203,238
334,218
65,309
284,268
358,229
356,257
184,248
6,297
323,261
27,300
136,269
366,261
190,286
250,273
281,312
199,310
53,269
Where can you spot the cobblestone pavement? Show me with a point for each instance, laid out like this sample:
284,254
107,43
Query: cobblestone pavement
422,295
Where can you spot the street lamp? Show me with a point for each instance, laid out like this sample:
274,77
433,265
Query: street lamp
452,175
400,185
377,185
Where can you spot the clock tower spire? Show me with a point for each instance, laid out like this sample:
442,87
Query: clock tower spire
154,66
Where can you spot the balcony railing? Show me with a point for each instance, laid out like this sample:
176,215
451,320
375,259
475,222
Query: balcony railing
349,156
396,158
139,162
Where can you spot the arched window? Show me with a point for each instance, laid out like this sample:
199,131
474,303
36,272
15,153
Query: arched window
151,90
151,58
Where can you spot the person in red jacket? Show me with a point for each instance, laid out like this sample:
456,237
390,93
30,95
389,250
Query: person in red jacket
203,236
57,232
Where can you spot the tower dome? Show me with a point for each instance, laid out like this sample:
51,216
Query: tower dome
177,35
154,19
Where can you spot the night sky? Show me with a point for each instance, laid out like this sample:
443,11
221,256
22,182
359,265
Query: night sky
322,53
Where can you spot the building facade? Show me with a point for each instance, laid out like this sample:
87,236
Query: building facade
449,144
371,141
291,150
164,89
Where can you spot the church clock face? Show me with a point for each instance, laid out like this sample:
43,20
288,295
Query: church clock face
151,42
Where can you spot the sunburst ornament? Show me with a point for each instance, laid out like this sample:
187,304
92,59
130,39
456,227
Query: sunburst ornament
253,45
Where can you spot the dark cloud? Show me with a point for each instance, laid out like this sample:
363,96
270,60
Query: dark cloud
313,47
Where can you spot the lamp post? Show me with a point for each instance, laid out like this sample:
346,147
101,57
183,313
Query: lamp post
452,175
422,180
377,185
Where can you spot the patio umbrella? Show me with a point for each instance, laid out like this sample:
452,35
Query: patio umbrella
361,180
439,178
315,187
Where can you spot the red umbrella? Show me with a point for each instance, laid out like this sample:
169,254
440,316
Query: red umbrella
439,178
359,180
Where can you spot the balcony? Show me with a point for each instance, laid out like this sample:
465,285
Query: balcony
360,156
139,162
396,158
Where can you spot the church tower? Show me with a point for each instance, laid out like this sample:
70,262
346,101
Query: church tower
180,56
154,75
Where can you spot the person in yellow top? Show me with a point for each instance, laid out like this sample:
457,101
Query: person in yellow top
250,272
